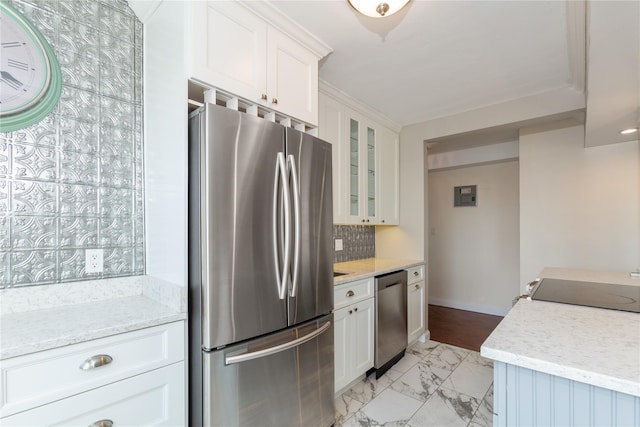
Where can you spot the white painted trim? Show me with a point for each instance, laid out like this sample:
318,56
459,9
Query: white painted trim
144,9
535,107
468,307
473,156
333,92
267,11
576,43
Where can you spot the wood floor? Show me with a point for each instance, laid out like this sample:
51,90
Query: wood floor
466,329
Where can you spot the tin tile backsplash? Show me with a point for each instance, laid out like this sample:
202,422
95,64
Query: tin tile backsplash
358,242
74,181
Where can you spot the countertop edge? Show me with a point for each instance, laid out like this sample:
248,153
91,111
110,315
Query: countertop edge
371,270
563,371
88,336
49,327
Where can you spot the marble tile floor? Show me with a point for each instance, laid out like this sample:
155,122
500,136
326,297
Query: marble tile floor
434,384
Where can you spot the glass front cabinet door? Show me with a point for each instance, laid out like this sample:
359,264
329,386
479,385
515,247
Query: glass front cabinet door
363,178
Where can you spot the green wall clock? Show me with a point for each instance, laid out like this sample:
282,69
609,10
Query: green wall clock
30,77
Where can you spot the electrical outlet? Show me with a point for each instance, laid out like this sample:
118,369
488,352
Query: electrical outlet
93,261
338,244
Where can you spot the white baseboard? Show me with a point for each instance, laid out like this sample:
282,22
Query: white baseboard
469,307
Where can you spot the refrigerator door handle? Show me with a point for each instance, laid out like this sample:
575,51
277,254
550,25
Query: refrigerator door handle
291,163
230,360
281,175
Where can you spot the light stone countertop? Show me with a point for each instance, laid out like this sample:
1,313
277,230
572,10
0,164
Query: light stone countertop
595,346
44,317
369,267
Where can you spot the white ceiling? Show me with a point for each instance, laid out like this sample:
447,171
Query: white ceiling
439,58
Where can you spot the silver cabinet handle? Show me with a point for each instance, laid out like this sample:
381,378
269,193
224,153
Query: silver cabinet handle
102,423
96,361
350,294
229,360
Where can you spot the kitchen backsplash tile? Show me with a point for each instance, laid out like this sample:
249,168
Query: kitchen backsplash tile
74,180
358,242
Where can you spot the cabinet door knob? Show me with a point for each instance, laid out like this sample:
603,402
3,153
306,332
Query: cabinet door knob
102,423
383,221
415,273
363,220
350,311
96,361
355,309
350,293
367,220
274,100
417,286
263,96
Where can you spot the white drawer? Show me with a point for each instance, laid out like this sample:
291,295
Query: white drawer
153,398
415,274
40,378
351,292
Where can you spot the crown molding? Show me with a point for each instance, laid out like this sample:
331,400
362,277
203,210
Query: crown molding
144,9
271,14
329,90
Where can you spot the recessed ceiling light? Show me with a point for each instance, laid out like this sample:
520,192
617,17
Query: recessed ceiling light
628,131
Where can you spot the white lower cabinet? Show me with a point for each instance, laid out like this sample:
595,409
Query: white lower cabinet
353,334
153,398
135,378
416,303
416,310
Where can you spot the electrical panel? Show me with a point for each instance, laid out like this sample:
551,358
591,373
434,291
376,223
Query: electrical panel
465,195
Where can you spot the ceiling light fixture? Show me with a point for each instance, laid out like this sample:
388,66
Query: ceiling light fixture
378,8
628,131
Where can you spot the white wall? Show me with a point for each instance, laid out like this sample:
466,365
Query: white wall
474,251
579,207
408,239
166,142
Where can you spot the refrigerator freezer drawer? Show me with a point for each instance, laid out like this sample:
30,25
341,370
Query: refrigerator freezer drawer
283,379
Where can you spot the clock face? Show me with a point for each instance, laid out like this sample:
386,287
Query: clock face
24,69
30,78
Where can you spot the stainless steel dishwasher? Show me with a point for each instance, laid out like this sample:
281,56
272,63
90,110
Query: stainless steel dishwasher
391,320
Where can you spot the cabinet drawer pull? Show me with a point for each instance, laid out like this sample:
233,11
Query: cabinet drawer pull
263,97
350,293
274,100
415,273
95,362
355,309
417,286
350,311
102,423
363,220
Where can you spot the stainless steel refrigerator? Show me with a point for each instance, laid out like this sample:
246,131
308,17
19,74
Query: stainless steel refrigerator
260,273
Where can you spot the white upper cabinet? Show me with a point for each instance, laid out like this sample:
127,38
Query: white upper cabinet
365,165
292,77
236,50
228,47
388,149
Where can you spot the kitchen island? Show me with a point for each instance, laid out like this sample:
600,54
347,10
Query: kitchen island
561,364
